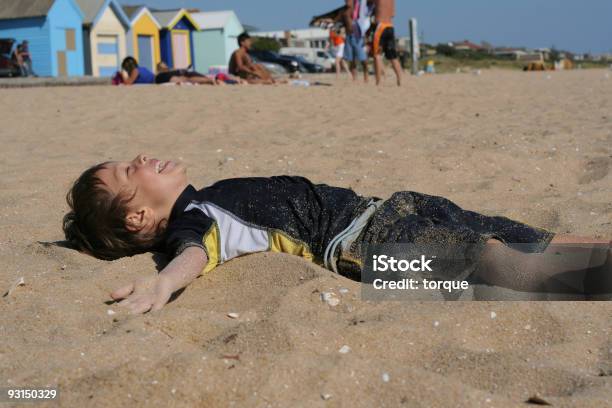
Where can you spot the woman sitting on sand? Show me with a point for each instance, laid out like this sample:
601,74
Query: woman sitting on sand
125,208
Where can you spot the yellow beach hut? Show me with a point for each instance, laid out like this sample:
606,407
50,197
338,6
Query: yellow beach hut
104,31
143,36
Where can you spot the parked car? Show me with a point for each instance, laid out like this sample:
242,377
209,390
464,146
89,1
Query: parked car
8,62
310,67
318,56
290,64
275,69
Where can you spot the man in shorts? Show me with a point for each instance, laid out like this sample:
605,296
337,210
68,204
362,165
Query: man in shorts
357,23
384,39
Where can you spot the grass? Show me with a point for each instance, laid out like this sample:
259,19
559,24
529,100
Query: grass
444,64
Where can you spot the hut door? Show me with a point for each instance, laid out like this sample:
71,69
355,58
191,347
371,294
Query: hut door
108,55
62,69
145,51
180,49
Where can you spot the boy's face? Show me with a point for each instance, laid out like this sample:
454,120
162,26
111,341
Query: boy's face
156,184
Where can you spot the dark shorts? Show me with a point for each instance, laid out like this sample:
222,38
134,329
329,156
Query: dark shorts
384,41
415,218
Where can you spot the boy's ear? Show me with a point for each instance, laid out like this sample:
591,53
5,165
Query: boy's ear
139,219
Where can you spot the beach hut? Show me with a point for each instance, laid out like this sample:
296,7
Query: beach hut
53,29
175,37
104,36
217,39
143,36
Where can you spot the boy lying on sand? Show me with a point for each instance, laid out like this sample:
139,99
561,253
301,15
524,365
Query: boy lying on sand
124,208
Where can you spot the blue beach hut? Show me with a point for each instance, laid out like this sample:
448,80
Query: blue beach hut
218,39
176,38
53,29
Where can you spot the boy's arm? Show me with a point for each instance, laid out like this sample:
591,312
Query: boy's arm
152,293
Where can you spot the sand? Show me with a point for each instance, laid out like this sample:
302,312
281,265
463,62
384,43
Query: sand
532,146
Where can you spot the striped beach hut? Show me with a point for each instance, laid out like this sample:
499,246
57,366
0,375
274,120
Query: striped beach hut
176,38
218,39
53,29
143,36
104,36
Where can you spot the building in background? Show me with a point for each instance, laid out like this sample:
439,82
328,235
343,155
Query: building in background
303,38
217,39
104,36
54,30
519,54
466,45
143,36
176,37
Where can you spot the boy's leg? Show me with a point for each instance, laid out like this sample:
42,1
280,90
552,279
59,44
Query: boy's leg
363,58
398,70
345,67
502,252
387,43
574,265
353,65
378,68
263,72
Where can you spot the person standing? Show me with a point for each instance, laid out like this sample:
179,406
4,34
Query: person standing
357,22
384,39
336,42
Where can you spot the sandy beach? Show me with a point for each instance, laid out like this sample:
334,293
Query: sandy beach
536,147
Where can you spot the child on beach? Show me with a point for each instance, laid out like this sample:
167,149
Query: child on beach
121,209
242,66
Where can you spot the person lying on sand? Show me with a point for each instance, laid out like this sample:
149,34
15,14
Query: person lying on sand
132,73
242,66
120,209
166,75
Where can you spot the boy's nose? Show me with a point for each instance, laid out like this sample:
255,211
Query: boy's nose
141,159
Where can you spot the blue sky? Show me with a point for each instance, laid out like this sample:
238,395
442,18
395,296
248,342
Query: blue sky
575,25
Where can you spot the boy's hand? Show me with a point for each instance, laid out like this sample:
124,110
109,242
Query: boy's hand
145,294
153,292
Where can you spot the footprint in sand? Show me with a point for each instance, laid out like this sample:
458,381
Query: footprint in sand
595,169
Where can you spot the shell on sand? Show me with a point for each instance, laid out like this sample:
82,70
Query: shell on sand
15,285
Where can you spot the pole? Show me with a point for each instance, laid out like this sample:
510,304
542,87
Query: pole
414,46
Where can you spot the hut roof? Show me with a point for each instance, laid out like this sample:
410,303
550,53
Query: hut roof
12,9
167,18
213,19
91,10
131,11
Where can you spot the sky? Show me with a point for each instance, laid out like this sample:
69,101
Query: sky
574,25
